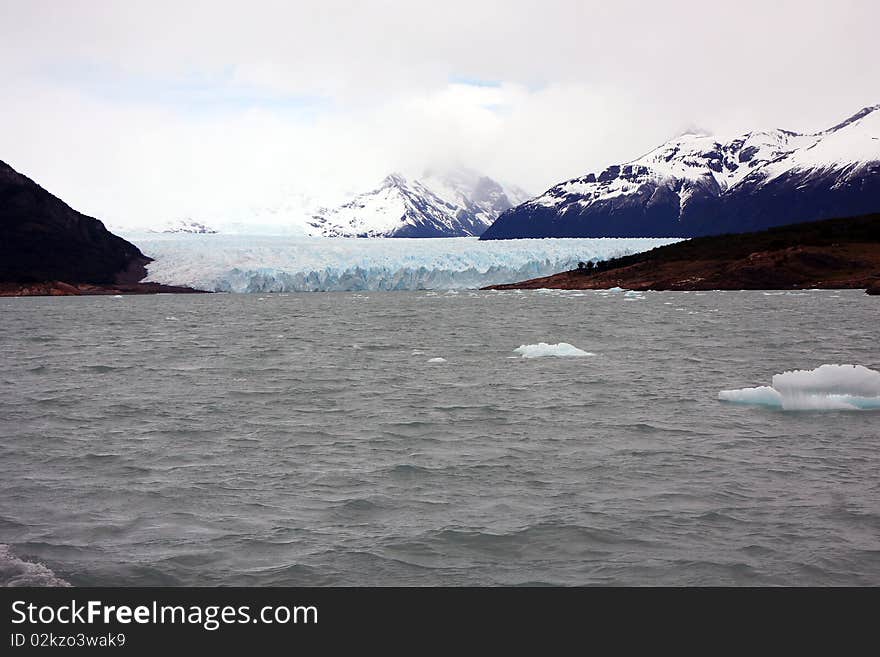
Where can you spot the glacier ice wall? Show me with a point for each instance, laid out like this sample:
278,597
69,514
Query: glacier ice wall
261,263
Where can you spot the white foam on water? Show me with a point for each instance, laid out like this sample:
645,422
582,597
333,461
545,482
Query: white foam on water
437,360
542,350
826,388
17,572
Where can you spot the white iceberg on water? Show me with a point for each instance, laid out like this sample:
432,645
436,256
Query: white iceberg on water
828,387
542,349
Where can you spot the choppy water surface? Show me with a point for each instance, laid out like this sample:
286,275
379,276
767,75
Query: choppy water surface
305,439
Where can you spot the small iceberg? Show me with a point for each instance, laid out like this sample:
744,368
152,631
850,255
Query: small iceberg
437,360
826,388
542,349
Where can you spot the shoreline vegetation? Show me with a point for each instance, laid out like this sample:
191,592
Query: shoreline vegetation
829,254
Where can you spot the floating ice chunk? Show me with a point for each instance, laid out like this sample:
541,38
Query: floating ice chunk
760,396
437,360
542,349
828,387
843,379
615,289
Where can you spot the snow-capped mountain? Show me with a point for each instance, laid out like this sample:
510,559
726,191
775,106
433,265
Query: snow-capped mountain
188,226
460,203
701,185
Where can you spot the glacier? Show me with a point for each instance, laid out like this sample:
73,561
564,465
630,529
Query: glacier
828,387
262,263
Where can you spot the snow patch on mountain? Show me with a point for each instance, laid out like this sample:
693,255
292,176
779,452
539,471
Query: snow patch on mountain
849,146
188,226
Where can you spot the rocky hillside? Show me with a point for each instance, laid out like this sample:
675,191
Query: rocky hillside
835,253
44,239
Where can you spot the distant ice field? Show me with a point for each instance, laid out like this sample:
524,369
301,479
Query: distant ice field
261,263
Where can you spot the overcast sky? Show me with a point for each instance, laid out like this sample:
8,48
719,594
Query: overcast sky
141,112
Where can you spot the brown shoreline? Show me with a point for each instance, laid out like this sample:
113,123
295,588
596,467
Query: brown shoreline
127,282
62,289
831,254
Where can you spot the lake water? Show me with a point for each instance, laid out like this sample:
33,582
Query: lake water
306,439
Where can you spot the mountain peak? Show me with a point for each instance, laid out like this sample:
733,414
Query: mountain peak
394,180
694,185
454,203
862,113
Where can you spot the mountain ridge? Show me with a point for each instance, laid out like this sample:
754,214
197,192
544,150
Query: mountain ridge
700,185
